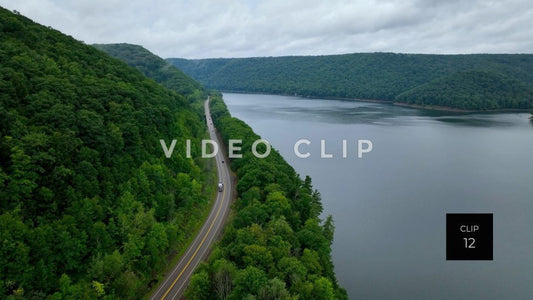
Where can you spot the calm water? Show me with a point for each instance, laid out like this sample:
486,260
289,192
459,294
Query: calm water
390,206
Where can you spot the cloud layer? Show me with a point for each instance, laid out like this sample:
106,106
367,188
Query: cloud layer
232,28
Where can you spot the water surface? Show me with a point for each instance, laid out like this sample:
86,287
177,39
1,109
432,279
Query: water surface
390,206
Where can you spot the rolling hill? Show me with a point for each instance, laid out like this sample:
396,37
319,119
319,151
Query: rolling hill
292,257
154,67
406,78
89,205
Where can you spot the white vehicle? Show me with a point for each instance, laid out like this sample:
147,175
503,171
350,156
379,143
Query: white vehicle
220,186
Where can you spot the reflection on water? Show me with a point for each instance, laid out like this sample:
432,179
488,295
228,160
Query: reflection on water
389,207
477,120
358,112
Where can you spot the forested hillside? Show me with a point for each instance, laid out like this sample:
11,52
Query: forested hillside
276,206
89,205
276,246
154,67
408,78
471,90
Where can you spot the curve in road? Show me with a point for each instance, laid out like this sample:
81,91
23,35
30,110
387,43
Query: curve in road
177,280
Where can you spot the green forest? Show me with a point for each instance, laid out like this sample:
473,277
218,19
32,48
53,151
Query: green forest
278,207
156,68
275,246
89,205
90,208
469,82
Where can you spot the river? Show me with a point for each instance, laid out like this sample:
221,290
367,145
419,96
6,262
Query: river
390,205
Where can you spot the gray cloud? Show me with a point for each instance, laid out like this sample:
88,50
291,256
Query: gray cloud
233,28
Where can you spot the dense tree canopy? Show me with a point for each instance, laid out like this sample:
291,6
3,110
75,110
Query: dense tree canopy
154,67
89,205
475,82
470,90
265,268
276,246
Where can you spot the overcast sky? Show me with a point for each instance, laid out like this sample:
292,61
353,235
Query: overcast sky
243,28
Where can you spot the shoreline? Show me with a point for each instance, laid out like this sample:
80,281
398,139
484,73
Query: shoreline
400,104
436,108
309,97
459,110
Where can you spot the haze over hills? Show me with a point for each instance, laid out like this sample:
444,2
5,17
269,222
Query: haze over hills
469,82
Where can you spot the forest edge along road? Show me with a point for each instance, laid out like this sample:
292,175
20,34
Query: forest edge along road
178,278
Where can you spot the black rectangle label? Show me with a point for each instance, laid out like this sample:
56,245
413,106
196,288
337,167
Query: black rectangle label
469,237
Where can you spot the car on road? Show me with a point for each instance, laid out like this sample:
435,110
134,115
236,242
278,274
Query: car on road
220,186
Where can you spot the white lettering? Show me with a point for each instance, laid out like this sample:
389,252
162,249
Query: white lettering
204,149
188,148
232,148
361,150
267,151
297,150
323,153
344,149
168,152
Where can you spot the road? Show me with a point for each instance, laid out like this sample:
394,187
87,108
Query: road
177,280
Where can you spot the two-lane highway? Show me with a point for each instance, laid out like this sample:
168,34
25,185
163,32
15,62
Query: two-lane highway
177,280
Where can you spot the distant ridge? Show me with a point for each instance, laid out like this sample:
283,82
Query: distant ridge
465,82
153,66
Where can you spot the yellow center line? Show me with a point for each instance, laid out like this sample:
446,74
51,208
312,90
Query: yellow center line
197,249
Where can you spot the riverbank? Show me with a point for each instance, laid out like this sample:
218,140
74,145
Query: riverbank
276,211
423,166
458,110
309,97
407,105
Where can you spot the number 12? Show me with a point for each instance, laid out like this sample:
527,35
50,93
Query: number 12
469,243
